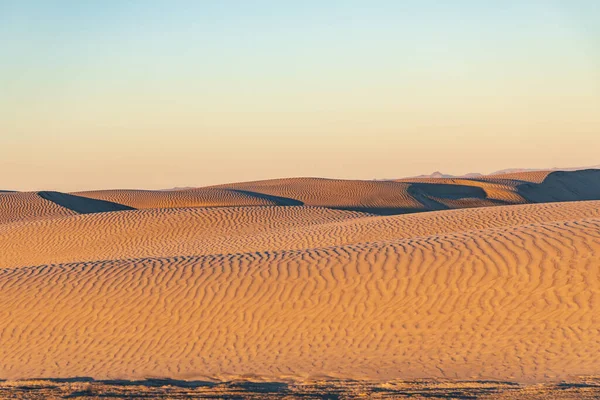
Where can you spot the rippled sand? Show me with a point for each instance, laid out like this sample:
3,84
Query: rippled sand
304,280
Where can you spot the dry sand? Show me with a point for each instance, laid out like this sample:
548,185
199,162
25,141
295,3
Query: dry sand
379,197
28,206
202,197
277,281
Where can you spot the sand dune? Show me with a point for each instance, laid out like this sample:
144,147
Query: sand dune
359,195
519,170
564,186
429,194
82,205
370,196
15,206
180,198
380,197
280,280
205,231
506,303
168,232
524,176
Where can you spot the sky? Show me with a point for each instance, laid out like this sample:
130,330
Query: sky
159,94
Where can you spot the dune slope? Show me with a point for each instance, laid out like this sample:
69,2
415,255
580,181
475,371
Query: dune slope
205,231
379,197
27,206
516,300
203,197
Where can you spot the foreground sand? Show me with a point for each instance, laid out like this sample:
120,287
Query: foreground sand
301,291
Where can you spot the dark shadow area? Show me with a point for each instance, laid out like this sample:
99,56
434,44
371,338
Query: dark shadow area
490,382
563,186
446,191
36,387
81,393
258,387
427,194
82,205
382,210
570,385
110,395
163,388
277,200
159,383
75,379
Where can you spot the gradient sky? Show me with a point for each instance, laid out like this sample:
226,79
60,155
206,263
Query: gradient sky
158,94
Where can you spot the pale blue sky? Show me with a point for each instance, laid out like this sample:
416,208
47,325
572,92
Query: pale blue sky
150,94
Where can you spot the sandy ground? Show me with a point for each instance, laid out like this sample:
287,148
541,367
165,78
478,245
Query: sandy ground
303,279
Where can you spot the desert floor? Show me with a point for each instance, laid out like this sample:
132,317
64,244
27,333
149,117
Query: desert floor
484,287
86,388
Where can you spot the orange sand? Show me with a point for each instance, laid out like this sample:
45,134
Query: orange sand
276,291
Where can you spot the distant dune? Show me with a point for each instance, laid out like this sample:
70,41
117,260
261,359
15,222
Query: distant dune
178,198
438,174
519,170
378,197
491,277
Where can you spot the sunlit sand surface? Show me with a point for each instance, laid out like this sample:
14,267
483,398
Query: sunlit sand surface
490,284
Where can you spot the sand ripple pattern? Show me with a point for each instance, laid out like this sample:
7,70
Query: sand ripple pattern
380,197
208,197
28,206
204,231
511,302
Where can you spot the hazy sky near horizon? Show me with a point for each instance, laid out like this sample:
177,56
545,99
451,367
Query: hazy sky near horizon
158,94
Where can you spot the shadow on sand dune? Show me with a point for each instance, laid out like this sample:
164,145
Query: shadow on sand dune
563,186
558,186
276,200
430,196
82,205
